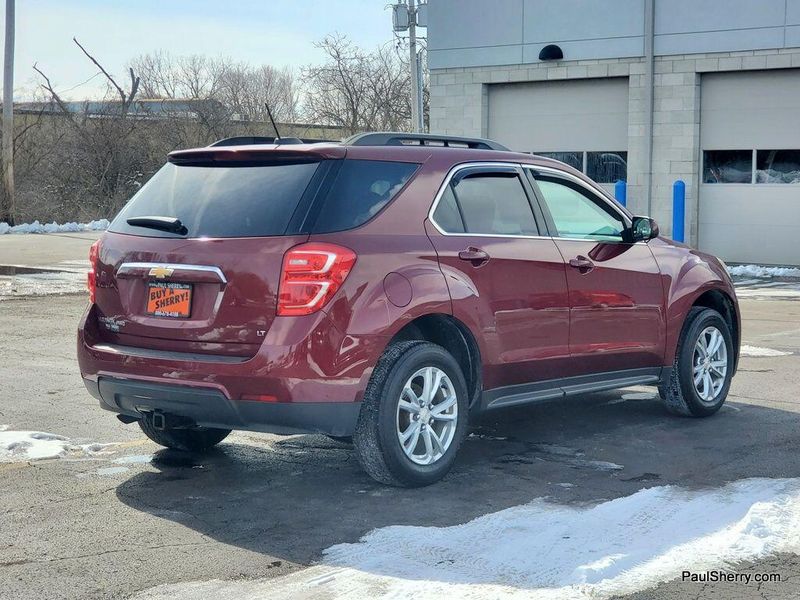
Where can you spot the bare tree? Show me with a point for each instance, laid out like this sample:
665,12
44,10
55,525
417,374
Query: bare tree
93,170
358,90
247,91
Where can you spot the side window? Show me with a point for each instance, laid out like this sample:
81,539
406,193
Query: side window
361,189
577,213
494,203
447,214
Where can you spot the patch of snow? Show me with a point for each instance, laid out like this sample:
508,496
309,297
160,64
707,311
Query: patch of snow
639,396
757,351
782,293
31,445
600,465
36,227
20,446
96,448
544,551
42,284
138,459
762,271
570,456
484,436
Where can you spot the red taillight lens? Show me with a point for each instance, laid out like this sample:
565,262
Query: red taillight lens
91,276
312,273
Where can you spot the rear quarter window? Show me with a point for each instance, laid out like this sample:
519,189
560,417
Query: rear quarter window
220,201
360,189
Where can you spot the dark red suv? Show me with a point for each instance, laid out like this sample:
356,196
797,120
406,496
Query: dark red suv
386,289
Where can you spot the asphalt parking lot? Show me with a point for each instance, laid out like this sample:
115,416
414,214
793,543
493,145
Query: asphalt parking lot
109,521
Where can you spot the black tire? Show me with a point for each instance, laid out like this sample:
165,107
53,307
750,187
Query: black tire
678,392
375,440
189,440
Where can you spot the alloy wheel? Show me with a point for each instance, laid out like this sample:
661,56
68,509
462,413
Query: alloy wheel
427,415
709,364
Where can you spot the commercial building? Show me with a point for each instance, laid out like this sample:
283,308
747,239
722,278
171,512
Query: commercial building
648,91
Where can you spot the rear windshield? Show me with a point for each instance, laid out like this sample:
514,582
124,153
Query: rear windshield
359,190
236,201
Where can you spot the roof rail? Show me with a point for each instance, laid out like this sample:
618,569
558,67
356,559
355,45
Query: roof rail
248,140
387,138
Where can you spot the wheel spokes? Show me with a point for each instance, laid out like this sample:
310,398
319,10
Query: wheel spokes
409,406
426,399
444,405
437,443
426,438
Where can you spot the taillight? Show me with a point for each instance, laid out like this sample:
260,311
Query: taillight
91,276
312,273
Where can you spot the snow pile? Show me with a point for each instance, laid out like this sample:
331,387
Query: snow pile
72,227
761,271
43,284
545,551
31,445
757,351
16,446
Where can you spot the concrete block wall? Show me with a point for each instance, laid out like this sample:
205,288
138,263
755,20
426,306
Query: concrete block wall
459,106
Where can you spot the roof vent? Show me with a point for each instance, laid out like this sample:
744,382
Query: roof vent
551,52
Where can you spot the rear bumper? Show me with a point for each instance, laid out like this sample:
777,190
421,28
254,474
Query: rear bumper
211,408
301,360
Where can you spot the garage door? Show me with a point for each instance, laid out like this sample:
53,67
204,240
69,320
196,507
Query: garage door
582,122
749,207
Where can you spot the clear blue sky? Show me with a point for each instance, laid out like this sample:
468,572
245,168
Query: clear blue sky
277,32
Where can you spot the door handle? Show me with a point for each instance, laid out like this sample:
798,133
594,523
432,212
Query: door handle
583,264
474,255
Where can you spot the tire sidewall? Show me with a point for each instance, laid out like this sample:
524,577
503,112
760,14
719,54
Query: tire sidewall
706,318
395,457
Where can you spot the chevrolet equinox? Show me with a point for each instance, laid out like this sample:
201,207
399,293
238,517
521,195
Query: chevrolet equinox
387,289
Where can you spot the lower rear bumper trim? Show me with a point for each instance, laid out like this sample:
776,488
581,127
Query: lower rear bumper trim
210,408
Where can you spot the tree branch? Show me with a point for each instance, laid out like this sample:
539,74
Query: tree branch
121,92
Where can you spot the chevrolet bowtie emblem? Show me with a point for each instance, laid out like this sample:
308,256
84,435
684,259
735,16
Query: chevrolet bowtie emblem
161,272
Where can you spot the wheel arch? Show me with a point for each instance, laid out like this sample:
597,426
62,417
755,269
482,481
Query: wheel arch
453,335
710,296
720,301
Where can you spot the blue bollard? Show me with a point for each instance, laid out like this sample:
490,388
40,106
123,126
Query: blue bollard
621,192
678,210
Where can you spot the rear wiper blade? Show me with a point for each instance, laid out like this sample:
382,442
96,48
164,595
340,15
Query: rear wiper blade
170,224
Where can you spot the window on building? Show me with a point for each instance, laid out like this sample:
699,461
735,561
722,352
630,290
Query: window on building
607,167
778,166
493,203
573,159
577,213
727,166
602,167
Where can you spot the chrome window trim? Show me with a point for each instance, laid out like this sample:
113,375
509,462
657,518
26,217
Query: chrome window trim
446,183
558,172
125,267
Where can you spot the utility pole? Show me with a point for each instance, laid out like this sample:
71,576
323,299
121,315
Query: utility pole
416,124
8,117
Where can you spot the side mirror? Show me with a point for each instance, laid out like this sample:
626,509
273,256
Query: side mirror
642,229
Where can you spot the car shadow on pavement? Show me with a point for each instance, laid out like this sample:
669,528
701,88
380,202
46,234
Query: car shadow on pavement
302,494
